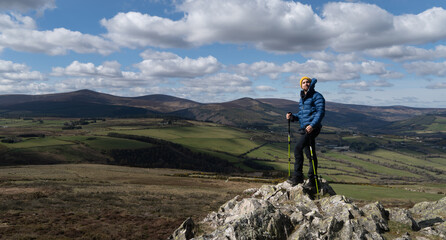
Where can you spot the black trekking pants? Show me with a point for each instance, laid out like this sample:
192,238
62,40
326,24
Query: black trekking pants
303,141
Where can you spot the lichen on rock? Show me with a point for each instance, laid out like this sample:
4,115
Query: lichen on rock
288,212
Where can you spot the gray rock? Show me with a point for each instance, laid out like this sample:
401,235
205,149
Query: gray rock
429,210
285,212
376,213
438,230
431,216
403,216
185,231
406,236
250,218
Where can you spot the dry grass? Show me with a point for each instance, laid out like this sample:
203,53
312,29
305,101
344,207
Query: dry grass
104,202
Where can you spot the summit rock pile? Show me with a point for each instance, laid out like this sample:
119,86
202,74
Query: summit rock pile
285,212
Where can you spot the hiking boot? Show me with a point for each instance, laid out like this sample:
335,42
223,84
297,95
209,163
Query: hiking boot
294,181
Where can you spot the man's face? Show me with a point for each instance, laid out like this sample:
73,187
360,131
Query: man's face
306,84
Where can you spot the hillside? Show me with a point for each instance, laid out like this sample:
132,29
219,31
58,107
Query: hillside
244,112
154,103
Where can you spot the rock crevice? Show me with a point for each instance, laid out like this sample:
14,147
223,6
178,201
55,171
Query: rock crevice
285,212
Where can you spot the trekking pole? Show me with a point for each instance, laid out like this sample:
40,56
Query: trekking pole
289,148
314,169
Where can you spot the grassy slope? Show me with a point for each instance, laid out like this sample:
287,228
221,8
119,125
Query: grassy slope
225,142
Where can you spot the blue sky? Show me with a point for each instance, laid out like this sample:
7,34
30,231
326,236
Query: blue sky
379,53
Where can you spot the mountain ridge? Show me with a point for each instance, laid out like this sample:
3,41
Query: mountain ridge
243,112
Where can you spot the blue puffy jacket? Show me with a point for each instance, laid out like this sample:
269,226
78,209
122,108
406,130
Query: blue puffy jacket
311,108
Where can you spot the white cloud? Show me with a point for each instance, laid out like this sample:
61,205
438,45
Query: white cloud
8,66
325,66
381,83
277,25
26,5
364,85
439,85
26,88
364,26
264,88
258,69
272,25
218,87
423,68
327,56
77,69
20,34
16,21
134,29
15,72
165,64
359,86
109,75
18,78
409,53
373,68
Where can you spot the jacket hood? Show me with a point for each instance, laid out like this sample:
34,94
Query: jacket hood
311,89
313,83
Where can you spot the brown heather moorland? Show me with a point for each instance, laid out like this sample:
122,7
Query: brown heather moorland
88,201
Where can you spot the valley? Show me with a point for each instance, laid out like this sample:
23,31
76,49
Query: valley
138,167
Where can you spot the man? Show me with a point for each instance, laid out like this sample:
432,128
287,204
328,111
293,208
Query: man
310,115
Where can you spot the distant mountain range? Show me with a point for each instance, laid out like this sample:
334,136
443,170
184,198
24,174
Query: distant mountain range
244,112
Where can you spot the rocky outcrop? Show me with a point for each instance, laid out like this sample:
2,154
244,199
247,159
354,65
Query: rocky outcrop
288,212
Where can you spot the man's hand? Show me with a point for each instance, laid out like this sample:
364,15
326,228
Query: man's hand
288,115
309,129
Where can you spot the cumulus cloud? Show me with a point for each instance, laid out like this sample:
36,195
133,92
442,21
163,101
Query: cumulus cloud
278,25
358,86
217,87
221,82
325,66
366,26
27,5
166,64
408,53
77,69
20,34
264,88
18,78
155,69
109,75
134,29
381,83
26,88
272,25
259,69
16,72
423,68
440,85
364,85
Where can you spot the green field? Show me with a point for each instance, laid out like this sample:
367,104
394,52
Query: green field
397,160
384,193
105,143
